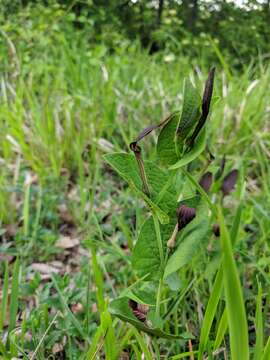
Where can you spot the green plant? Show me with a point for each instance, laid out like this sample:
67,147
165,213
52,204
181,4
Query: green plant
58,116
178,227
174,231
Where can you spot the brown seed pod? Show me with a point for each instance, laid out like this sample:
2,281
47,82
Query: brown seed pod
140,311
206,181
185,215
229,182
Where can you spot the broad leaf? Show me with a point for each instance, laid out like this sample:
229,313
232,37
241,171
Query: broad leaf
145,256
127,168
190,111
174,282
172,136
121,309
192,237
166,150
143,292
196,150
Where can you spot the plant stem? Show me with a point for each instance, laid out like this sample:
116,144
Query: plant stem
201,191
159,240
161,255
140,163
159,294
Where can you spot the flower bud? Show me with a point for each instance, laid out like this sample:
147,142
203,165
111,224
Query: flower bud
185,215
206,181
229,182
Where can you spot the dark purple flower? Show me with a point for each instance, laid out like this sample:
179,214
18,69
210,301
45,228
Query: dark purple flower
216,230
229,182
206,181
185,215
139,310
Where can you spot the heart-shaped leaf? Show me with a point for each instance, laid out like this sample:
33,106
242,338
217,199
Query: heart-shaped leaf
127,168
145,256
121,309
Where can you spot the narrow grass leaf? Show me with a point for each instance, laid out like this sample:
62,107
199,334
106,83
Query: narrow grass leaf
3,350
210,312
221,330
98,280
184,355
14,296
96,343
110,340
216,293
266,352
259,326
144,347
234,298
4,297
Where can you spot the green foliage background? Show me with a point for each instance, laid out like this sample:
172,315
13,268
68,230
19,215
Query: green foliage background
194,28
80,79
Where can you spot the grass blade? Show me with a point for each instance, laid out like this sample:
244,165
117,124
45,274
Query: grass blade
210,312
97,343
266,353
4,297
234,298
216,293
183,355
14,296
259,326
110,341
144,347
222,328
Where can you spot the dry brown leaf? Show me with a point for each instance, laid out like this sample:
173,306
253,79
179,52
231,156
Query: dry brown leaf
67,242
10,230
44,268
57,347
65,214
7,257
